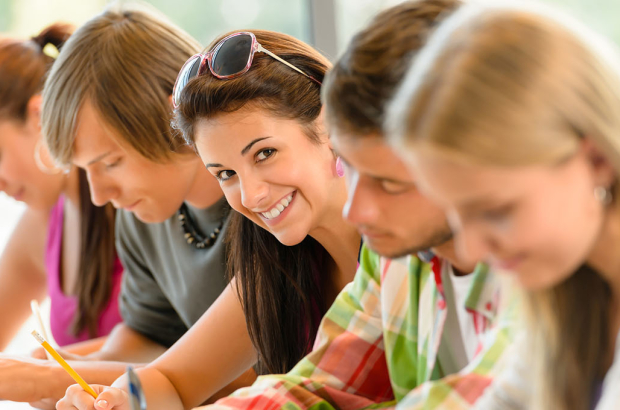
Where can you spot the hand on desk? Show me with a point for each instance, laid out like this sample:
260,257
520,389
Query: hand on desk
109,398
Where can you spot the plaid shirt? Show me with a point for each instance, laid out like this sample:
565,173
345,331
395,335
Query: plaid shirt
377,345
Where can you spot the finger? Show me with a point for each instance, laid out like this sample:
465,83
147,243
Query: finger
77,398
38,353
112,398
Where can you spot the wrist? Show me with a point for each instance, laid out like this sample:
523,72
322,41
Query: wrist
53,381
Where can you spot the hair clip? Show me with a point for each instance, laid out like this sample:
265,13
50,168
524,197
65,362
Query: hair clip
51,51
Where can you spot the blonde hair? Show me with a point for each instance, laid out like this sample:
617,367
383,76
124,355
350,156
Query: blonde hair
125,62
514,87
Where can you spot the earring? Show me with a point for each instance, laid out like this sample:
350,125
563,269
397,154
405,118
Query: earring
53,170
339,167
603,195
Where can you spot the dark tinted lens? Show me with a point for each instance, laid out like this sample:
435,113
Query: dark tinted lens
232,56
189,71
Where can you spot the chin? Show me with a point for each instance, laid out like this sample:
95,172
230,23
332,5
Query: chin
150,218
288,239
385,249
535,280
395,248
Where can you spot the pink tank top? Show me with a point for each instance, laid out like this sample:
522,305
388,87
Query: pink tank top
63,307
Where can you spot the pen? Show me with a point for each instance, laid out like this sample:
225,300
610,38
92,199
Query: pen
136,399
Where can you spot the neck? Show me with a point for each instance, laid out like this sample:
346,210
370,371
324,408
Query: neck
604,256
340,240
447,251
204,190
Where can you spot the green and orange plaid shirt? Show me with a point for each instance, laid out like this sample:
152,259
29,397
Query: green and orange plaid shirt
377,345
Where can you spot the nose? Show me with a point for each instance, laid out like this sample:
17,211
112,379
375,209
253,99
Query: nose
101,190
360,207
253,191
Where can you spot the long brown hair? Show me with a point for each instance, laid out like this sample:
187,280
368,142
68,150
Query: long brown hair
513,88
282,288
23,69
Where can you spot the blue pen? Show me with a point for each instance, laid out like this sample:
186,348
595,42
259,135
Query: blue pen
136,395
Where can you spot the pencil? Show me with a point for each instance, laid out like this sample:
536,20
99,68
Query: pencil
34,305
64,364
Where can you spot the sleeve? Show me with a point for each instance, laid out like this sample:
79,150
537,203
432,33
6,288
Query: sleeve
143,305
346,369
470,387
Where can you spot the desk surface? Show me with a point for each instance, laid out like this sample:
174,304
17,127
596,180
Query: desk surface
9,405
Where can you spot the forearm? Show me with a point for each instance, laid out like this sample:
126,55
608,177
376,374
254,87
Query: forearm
22,273
159,392
215,352
87,347
126,345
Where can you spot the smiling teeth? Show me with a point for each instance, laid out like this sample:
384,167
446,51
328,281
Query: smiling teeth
277,210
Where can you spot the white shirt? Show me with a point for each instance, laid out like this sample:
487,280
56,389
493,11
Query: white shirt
459,340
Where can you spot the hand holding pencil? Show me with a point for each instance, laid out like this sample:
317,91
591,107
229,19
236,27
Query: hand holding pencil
108,398
64,364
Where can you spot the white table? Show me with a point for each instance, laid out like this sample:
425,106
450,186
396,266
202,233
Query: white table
9,405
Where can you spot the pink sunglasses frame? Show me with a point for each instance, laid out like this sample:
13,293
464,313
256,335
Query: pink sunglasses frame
206,61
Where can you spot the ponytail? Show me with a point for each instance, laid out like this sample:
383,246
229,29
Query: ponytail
23,68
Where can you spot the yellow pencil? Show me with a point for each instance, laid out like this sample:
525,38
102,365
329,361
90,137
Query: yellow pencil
64,364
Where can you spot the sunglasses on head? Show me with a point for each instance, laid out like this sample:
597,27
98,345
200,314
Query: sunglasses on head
230,58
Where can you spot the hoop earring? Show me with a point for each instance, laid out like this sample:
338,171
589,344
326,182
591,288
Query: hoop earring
339,167
603,195
40,164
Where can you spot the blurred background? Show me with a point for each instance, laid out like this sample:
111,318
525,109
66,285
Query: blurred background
326,24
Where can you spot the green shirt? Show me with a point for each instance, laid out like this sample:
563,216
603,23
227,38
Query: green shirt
168,284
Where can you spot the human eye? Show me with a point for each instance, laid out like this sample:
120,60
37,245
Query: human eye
496,214
264,154
113,164
394,187
224,175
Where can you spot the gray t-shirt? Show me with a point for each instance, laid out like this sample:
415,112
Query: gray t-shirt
168,284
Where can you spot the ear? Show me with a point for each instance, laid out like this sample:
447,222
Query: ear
33,111
602,170
170,101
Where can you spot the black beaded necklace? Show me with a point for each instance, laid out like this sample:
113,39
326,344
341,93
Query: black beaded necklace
192,235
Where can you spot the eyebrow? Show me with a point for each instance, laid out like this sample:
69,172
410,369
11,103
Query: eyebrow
243,152
377,177
99,158
249,146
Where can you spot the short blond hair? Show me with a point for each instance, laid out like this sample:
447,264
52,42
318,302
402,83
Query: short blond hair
125,62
